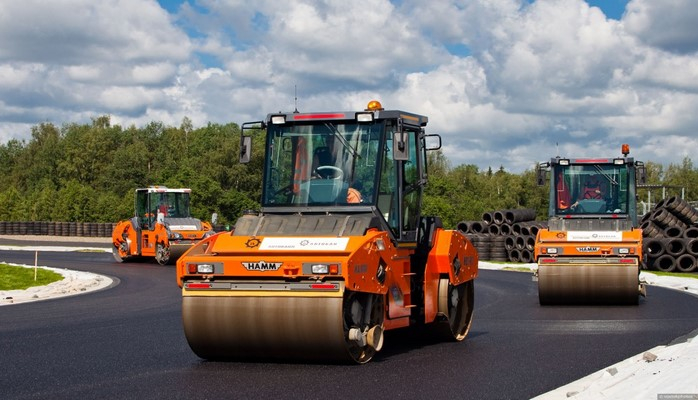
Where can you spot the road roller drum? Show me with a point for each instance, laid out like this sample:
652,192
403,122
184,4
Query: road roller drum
588,284
307,328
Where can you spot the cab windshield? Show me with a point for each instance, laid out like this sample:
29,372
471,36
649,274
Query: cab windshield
324,163
591,189
150,203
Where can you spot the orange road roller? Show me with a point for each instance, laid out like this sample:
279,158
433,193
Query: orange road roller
338,253
591,251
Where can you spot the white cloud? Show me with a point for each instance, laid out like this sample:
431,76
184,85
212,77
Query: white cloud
84,31
668,24
553,71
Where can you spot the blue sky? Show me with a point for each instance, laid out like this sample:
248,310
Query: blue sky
502,81
612,8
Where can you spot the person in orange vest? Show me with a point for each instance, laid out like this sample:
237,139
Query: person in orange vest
592,190
353,193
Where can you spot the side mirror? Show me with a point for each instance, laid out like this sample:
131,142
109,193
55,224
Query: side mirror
432,142
541,174
246,141
400,143
214,218
641,173
245,149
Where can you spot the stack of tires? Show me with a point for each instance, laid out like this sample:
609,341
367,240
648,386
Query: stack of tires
51,228
670,236
521,243
504,235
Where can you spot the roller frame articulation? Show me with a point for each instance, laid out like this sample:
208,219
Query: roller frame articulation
588,284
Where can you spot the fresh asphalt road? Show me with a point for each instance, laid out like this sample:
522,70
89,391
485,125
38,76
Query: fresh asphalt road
127,342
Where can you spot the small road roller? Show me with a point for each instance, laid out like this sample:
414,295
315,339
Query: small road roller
338,252
591,251
162,226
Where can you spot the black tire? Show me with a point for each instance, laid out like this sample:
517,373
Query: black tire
665,263
162,254
686,263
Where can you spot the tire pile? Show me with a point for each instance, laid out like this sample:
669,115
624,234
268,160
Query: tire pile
670,236
86,229
504,235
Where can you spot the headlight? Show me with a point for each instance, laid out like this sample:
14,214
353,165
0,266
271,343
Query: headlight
175,235
623,250
204,268
193,268
364,117
551,250
320,268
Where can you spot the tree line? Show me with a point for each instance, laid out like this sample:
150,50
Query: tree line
88,173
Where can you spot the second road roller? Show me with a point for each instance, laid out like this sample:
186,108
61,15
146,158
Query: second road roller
591,251
338,252
162,226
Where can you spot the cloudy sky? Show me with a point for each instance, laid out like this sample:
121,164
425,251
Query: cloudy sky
505,82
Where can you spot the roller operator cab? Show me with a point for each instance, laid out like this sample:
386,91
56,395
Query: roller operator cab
339,251
591,251
162,226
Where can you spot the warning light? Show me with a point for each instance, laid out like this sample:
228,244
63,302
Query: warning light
625,149
374,105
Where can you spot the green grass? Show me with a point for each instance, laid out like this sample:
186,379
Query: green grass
676,274
19,278
517,269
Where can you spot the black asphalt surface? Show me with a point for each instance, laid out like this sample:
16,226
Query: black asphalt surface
126,342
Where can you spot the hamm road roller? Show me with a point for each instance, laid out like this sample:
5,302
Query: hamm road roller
591,252
162,226
338,252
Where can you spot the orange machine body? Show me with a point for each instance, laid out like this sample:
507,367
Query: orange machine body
589,247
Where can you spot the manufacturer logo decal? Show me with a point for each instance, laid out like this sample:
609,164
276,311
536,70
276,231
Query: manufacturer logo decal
262,266
599,236
587,249
252,242
301,243
360,268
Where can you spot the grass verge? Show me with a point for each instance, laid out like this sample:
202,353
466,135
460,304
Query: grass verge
517,269
13,277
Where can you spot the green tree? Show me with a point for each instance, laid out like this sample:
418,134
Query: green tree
39,159
682,178
14,206
75,202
